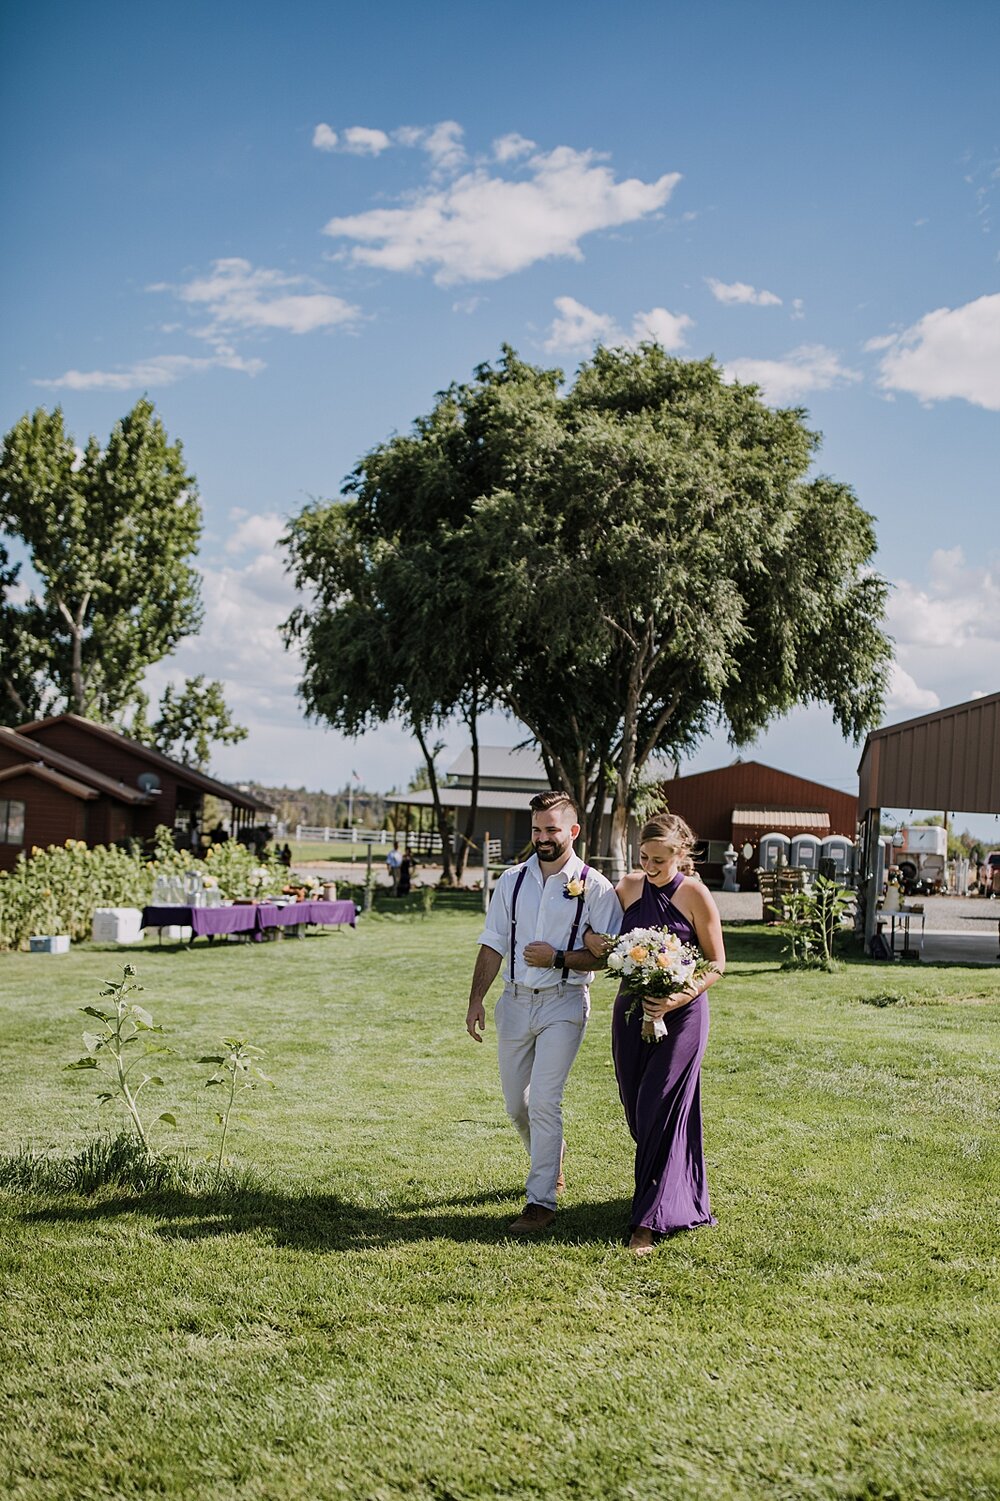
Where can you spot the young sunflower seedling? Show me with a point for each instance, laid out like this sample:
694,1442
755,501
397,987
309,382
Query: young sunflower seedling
237,1071
121,1046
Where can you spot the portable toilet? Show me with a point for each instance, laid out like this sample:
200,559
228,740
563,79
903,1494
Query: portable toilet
805,852
838,848
774,847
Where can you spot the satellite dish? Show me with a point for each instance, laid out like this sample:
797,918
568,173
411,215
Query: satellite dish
149,781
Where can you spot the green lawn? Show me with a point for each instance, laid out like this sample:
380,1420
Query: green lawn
360,1326
312,851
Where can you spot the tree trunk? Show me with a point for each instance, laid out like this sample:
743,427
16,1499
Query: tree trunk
439,813
595,817
625,774
76,701
20,708
462,856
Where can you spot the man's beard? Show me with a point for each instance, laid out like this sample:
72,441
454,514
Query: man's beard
551,849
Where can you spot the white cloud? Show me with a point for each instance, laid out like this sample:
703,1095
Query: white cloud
958,607
238,300
255,533
239,297
509,148
240,644
947,353
443,144
904,693
360,140
946,630
159,370
240,641
482,226
741,291
356,140
578,327
811,367
798,308
661,327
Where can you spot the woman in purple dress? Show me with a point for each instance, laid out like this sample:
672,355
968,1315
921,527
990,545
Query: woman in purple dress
659,1082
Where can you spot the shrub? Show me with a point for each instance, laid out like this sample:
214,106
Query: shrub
812,922
55,890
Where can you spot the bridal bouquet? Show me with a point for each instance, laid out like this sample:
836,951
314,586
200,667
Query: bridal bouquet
654,962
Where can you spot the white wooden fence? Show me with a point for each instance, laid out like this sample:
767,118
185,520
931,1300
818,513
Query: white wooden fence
320,834
419,843
424,843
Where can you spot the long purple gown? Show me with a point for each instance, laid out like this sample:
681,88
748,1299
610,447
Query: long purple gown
659,1084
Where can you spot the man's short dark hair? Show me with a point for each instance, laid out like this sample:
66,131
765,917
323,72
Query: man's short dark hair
542,801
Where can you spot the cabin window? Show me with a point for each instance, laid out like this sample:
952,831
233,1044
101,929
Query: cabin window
11,821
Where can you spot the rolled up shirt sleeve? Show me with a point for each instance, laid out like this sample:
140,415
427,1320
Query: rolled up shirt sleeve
603,911
496,932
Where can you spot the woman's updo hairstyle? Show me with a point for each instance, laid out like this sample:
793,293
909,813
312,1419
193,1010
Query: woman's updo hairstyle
674,831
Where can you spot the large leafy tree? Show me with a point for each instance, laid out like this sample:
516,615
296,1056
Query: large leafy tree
110,533
624,565
666,565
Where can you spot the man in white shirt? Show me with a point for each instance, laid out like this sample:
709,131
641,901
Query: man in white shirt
393,861
538,914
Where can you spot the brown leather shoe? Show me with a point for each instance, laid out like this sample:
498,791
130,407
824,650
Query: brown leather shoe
534,1217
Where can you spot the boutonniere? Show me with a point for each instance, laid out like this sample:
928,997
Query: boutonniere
575,888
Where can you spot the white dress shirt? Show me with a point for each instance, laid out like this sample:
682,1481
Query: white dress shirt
545,915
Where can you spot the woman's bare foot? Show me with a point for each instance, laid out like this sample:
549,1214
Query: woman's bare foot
642,1241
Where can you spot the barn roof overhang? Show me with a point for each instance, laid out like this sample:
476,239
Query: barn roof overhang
949,760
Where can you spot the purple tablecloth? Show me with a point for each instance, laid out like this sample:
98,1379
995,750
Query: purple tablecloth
203,921
330,914
209,921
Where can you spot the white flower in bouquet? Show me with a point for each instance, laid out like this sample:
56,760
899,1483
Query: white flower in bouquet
654,962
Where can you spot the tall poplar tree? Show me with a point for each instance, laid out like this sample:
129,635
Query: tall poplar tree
110,533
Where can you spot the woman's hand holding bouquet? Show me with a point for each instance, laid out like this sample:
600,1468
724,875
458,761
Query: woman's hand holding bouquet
659,970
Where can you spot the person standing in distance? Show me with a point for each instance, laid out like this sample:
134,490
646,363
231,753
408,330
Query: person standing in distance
538,914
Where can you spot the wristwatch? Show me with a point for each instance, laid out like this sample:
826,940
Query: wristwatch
559,959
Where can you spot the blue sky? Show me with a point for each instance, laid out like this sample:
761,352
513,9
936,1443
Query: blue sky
292,225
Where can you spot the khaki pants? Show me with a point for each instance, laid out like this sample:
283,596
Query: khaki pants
539,1033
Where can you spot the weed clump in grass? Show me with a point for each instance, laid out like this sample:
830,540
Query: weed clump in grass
885,998
118,1162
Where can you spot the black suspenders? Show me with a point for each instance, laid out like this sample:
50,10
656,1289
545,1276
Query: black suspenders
513,917
585,872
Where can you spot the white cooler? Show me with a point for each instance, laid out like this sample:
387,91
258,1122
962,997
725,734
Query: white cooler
49,943
116,925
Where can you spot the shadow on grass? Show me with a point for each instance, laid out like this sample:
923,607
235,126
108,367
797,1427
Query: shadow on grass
326,1223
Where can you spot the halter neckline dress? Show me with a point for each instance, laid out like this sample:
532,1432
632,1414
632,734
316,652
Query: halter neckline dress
660,1088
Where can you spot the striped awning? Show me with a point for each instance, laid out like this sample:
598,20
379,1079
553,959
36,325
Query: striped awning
808,820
